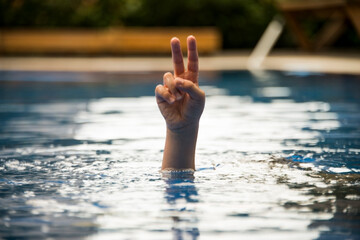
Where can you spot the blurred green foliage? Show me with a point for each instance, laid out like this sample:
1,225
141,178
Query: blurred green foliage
241,22
61,13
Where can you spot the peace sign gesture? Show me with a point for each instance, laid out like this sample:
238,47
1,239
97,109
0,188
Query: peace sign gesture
179,98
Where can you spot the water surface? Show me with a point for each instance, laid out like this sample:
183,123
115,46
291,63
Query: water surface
277,158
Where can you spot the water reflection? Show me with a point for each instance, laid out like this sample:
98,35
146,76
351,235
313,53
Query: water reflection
181,196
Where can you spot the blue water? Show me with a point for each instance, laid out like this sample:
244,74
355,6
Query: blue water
277,158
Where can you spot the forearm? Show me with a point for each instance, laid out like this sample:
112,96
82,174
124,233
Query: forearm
179,152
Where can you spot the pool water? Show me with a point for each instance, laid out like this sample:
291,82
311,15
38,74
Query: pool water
277,158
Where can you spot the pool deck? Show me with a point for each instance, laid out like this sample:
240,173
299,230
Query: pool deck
329,62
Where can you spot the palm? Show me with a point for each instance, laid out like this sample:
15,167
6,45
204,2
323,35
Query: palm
181,113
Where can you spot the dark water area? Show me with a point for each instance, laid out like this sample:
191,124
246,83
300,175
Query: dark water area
277,158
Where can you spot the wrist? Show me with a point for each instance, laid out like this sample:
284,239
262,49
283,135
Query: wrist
183,135
188,129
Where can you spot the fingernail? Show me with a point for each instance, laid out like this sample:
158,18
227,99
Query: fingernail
172,99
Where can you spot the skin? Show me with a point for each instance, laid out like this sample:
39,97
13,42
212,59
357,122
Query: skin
181,102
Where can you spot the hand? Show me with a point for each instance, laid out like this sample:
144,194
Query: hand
180,99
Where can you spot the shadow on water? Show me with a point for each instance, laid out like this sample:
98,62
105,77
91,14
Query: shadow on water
338,196
345,207
181,195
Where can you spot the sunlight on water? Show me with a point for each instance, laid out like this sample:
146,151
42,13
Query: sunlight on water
88,168
124,118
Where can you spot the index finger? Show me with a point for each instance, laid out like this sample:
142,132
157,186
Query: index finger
193,59
177,56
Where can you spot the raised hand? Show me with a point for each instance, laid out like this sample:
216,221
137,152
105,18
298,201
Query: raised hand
181,102
180,99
